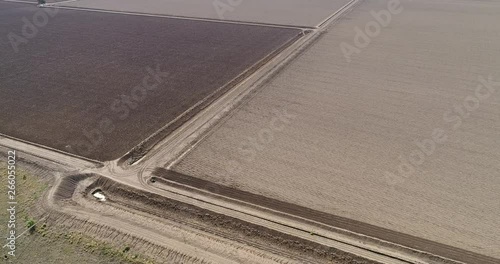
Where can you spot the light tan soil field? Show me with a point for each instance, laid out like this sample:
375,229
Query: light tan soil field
343,137
284,12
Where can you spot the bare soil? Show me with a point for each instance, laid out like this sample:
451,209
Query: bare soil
281,12
257,236
385,234
50,243
74,85
355,121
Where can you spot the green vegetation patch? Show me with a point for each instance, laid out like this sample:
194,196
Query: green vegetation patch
44,243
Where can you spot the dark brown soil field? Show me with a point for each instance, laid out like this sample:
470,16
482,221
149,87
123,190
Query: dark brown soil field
96,84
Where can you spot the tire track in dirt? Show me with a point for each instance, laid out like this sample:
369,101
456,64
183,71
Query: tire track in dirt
118,199
328,219
128,174
223,226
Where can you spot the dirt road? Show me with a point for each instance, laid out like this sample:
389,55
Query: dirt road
193,136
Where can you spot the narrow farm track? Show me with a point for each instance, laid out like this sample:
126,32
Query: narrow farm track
119,97
376,247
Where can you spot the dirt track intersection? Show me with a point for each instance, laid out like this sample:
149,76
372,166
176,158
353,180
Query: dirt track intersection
97,84
321,126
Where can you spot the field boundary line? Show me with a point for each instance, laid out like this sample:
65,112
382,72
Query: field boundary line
60,2
220,107
274,223
344,8
212,98
268,209
39,149
225,111
236,22
348,244
21,1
